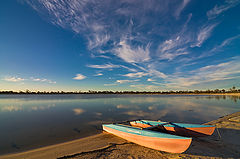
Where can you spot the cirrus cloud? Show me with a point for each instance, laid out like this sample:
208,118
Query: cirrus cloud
132,55
105,66
219,9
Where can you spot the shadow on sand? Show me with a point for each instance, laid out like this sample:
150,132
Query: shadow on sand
228,146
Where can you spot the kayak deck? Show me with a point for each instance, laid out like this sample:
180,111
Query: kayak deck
155,140
194,130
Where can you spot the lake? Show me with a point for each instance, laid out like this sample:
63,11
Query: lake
31,121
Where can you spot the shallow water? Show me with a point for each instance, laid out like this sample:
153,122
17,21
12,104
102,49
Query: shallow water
30,121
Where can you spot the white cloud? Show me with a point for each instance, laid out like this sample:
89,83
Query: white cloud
150,80
38,79
99,74
110,84
204,34
218,9
120,82
132,55
42,80
13,79
18,79
136,75
111,66
172,48
79,77
105,66
125,81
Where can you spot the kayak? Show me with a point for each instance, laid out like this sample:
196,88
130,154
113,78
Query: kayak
151,139
192,130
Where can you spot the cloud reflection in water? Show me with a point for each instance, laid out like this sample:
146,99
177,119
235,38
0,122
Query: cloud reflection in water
78,111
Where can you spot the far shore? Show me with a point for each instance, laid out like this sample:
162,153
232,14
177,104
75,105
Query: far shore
224,143
121,93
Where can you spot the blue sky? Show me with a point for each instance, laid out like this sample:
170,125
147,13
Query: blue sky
119,45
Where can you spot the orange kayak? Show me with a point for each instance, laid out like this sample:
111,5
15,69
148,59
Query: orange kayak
192,130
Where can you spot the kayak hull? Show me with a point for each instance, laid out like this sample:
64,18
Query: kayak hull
158,143
193,130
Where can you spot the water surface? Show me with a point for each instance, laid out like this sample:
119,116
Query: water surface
30,121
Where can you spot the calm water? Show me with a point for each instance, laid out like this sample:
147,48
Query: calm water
30,121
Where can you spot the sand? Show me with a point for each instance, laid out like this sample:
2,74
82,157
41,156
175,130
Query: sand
105,145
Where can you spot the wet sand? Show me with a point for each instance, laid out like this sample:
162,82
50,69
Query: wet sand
105,145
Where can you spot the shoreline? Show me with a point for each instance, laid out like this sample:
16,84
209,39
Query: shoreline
140,93
103,144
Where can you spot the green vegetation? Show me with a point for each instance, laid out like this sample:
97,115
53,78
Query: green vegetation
231,90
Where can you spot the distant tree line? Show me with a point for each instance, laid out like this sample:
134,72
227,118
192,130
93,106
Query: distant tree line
231,90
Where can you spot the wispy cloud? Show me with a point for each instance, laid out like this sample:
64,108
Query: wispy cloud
98,40
170,49
225,43
111,23
140,36
222,71
152,70
220,47
19,79
181,7
136,75
121,82
79,77
219,9
132,55
122,25
125,81
178,44
129,69
42,80
13,79
202,76
204,34
104,66
112,66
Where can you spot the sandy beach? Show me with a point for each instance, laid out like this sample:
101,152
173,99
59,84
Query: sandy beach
105,145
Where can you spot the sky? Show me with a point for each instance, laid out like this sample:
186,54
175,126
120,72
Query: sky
139,45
